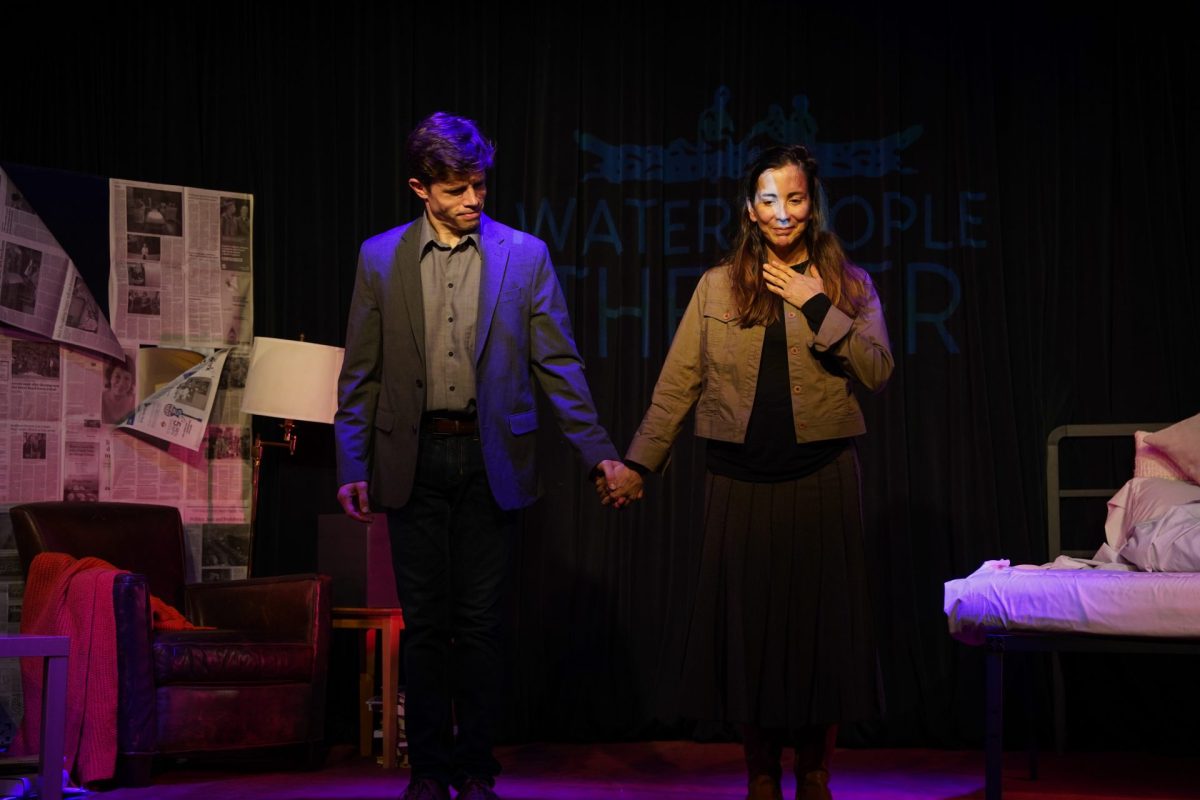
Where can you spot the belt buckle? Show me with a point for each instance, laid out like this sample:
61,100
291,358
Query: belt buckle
450,426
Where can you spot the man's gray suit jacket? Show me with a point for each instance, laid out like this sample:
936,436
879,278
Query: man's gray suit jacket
523,332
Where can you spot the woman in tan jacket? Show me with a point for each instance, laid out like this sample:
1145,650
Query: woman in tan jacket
781,638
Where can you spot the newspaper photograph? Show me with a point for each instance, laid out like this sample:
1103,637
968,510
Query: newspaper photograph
35,380
178,413
41,291
224,552
118,393
31,283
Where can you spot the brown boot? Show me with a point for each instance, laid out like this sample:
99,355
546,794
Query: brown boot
764,787
763,749
814,749
813,786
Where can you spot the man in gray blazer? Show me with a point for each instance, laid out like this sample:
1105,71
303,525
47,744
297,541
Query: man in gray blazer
453,316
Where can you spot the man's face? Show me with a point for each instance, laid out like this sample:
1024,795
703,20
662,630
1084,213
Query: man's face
453,205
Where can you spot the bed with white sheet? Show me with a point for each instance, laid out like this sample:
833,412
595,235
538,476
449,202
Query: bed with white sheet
1140,592
1000,598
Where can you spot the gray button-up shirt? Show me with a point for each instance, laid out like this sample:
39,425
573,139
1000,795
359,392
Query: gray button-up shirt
450,285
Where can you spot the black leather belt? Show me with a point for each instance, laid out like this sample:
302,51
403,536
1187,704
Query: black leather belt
440,425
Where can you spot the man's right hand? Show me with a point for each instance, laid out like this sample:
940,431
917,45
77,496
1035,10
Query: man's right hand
353,497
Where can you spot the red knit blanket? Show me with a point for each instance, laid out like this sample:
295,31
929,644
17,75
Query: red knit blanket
69,597
65,597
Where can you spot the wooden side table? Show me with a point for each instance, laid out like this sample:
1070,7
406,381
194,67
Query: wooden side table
389,622
54,650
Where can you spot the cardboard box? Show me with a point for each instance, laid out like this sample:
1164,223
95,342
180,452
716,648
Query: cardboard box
359,559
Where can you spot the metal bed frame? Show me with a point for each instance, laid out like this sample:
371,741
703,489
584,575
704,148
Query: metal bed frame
1000,643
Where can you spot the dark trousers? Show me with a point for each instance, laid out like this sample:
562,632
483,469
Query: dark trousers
451,547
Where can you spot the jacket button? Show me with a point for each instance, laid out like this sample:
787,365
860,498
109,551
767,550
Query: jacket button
802,425
791,315
795,390
795,351
420,383
414,428
725,315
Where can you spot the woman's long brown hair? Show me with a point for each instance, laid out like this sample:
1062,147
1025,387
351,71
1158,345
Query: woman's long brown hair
845,284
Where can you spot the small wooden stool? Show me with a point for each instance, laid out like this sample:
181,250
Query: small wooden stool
388,621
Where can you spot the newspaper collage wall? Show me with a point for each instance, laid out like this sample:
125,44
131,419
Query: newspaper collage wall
143,406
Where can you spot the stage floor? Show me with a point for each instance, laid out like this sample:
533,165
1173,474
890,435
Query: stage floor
668,770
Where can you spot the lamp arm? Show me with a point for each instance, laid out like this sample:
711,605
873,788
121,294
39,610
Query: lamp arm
289,443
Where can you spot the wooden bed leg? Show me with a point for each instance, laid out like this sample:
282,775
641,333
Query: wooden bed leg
994,735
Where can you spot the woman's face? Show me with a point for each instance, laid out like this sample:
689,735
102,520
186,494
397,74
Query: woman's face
781,208
121,382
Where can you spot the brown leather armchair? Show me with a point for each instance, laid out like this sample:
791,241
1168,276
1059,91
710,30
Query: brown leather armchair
256,681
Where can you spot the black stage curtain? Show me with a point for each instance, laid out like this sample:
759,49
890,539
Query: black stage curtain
1015,178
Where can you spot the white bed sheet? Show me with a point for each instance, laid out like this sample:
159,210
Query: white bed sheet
997,597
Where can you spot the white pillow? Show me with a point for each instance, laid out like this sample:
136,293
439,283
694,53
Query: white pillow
1141,500
1170,543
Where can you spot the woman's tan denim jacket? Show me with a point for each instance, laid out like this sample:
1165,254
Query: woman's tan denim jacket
713,363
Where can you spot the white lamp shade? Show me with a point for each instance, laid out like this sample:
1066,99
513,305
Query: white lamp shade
292,380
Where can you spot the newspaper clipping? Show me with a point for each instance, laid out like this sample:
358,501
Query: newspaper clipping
41,291
30,419
181,265
178,413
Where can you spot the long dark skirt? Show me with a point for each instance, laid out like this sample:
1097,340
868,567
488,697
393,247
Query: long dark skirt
781,634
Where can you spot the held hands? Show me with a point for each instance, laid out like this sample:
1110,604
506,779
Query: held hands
617,485
794,287
353,497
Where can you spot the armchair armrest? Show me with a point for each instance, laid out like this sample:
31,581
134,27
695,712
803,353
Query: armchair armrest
293,607
137,723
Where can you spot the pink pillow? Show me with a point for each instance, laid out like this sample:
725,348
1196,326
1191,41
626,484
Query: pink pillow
1181,443
1150,462
1141,500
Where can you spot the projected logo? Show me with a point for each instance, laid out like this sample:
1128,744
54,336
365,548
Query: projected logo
715,153
670,219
